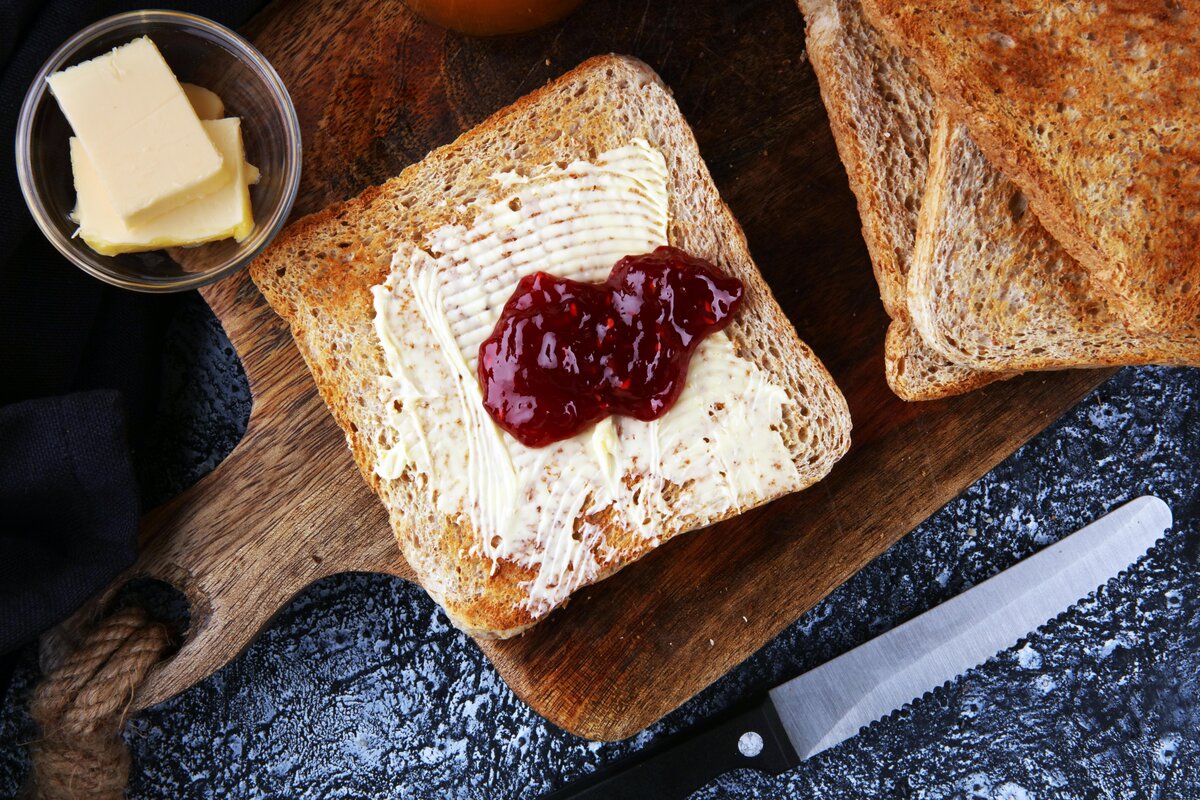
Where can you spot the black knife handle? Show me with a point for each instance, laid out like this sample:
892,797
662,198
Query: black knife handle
691,760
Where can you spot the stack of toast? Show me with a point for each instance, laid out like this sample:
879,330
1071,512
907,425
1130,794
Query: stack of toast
1028,177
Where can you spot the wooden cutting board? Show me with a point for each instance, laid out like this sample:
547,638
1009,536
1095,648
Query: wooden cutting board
376,89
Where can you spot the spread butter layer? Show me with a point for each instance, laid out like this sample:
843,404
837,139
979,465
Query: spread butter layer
716,452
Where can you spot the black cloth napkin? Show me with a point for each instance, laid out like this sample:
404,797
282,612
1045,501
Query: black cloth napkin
79,369
70,503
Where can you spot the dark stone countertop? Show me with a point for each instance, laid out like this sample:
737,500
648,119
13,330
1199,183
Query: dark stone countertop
360,688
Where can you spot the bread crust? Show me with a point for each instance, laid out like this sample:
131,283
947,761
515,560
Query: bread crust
991,289
1090,108
317,275
881,113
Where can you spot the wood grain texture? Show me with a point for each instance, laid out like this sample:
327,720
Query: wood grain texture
376,89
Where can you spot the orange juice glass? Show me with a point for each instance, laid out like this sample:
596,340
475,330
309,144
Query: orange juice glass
493,17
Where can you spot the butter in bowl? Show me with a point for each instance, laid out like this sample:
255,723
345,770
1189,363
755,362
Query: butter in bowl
158,151
155,162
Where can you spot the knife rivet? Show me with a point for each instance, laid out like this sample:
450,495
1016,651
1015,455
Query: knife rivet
750,744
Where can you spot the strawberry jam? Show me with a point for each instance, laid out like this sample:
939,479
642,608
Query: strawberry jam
566,354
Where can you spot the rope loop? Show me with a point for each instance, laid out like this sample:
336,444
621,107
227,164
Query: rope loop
81,708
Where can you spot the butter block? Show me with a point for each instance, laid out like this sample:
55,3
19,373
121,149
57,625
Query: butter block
209,105
206,103
141,134
220,214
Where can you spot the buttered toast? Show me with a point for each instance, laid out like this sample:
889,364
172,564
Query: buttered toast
389,294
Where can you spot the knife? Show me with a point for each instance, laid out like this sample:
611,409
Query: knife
829,704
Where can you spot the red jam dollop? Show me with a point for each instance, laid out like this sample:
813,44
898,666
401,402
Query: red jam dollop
566,354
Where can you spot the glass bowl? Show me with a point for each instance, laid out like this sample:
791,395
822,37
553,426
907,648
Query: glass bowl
199,51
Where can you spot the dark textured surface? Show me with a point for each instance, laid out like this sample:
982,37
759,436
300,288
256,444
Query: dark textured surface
361,688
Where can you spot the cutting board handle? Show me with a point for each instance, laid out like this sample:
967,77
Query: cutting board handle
260,527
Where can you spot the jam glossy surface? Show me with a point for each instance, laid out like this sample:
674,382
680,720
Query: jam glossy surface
566,354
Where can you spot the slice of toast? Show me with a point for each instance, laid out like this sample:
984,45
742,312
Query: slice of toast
1091,109
916,371
989,288
881,113
319,275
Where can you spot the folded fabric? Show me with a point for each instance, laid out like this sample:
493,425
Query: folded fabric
68,507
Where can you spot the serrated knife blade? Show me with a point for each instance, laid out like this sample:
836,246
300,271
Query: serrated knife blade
831,703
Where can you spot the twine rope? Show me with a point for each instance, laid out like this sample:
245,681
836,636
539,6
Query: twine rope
82,705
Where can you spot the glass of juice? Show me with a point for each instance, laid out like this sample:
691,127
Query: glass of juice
493,17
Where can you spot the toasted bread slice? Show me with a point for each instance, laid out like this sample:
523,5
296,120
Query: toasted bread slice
1090,108
320,272
881,112
989,288
916,371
